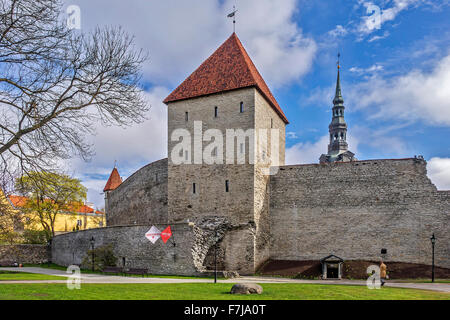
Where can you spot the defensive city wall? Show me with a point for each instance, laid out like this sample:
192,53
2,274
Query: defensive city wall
131,248
140,199
351,209
354,209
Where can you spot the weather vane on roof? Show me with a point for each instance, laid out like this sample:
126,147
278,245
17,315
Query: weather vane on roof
338,62
233,15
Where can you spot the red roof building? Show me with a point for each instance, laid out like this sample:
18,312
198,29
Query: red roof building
21,201
114,181
228,68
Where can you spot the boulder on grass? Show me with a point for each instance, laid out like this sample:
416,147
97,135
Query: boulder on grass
246,288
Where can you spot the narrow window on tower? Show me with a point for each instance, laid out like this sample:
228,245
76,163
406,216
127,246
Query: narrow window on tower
186,116
271,122
227,185
215,112
193,188
242,107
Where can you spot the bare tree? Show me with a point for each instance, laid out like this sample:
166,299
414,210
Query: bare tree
57,84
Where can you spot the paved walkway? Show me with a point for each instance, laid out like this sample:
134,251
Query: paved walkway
98,278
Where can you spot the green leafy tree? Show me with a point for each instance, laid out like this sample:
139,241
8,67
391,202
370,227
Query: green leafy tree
50,194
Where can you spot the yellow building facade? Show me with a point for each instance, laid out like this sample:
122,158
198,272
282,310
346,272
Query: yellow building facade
82,218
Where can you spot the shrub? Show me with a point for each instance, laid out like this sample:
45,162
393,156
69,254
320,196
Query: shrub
103,256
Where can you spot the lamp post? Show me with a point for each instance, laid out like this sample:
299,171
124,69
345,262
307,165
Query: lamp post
433,241
92,249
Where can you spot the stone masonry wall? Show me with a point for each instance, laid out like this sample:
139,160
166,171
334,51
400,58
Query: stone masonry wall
265,118
24,253
140,199
354,209
129,242
210,199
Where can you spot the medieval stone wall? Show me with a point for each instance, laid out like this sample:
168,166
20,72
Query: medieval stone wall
24,253
210,199
354,209
246,202
140,199
130,245
266,118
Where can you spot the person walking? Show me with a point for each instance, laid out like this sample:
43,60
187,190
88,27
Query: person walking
383,273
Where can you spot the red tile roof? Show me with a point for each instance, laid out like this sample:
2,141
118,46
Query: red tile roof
228,68
17,201
20,201
114,181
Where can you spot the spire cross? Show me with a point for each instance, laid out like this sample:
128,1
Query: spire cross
233,15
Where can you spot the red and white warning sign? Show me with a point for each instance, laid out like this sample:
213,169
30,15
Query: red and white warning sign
153,234
166,234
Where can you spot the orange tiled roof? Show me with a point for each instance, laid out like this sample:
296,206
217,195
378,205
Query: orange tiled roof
114,181
17,201
85,209
20,201
228,68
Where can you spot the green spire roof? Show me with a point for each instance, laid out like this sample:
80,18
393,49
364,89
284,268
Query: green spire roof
338,96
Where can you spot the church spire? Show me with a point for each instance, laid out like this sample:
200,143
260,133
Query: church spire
338,95
338,147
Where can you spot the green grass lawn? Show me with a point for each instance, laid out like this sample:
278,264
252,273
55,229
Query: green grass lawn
202,291
12,276
58,267
423,281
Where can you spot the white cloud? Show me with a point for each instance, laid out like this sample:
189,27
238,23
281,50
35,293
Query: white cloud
417,95
310,152
383,140
132,147
377,16
291,135
306,152
339,31
375,38
180,34
439,172
371,69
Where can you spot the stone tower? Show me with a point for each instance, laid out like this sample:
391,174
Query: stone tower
113,182
338,147
217,167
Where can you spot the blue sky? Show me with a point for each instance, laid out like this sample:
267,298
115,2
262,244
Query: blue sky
395,59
